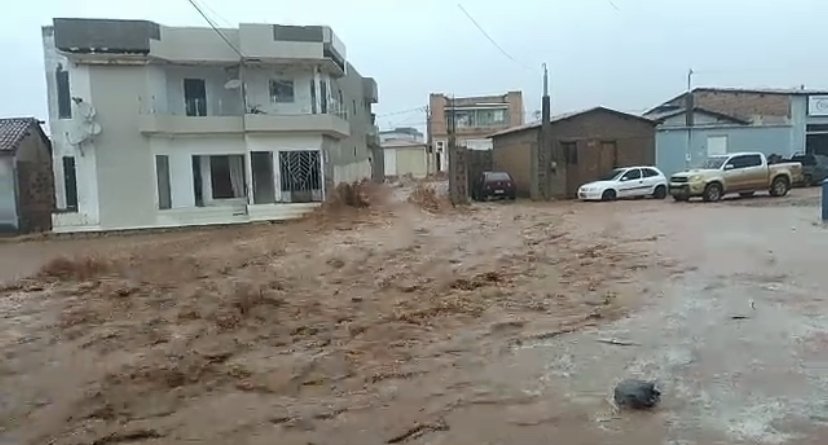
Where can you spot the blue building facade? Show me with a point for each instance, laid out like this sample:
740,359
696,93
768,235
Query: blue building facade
782,122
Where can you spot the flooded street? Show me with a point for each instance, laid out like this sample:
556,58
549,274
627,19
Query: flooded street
500,324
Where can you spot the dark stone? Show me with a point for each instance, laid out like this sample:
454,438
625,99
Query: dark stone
636,394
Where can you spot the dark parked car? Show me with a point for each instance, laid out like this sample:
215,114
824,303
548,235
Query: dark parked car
814,168
493,184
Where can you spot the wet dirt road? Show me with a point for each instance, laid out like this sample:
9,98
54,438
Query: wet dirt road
494,326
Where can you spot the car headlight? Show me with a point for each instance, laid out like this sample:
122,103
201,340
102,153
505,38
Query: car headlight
696,178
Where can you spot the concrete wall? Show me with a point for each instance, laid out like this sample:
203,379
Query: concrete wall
8,199
124,165
408,161
195,44
672,144
257,40
85,159
351,157
512,153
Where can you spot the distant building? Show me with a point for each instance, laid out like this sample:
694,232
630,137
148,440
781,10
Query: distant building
26,180
585,146
726,120
170,126
476,118
402,133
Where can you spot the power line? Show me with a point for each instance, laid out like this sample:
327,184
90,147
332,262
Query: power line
215,28
614,6
394,113
491,40
213,11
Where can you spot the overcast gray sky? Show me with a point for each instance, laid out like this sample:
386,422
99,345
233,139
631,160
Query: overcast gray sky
626,54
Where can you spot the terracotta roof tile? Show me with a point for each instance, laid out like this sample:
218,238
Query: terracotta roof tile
13,130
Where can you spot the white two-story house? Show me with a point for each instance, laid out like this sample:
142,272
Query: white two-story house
158,126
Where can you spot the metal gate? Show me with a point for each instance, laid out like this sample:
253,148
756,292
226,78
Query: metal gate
300,176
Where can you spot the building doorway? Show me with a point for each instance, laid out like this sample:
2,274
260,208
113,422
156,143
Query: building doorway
300,174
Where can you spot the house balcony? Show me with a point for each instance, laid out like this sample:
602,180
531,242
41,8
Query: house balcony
193,117
176,124
333,125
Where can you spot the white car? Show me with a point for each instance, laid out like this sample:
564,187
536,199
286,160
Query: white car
626,182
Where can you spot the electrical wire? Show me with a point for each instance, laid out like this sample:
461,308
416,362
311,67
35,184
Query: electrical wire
215,28
394,113
215,13
490,39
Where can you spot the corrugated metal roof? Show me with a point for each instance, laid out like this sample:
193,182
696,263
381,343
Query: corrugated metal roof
13,130
564,116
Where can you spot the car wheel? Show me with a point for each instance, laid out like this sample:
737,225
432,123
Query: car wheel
681,198
660,192
746,194
609,195
713,192
780,186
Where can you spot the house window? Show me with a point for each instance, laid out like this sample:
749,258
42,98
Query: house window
570,152
281,91
64,94
355,110
70,183
195,97
313,95
323,92
162,173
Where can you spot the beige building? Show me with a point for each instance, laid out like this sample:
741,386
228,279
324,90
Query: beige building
476,119
165,126
404,153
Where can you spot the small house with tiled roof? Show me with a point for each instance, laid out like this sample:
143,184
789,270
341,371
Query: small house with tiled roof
26,179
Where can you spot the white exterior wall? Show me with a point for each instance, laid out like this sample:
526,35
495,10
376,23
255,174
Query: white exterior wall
116,174
85,156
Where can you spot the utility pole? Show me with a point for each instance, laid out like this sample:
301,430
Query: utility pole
430,152
458,176
689,106
542,165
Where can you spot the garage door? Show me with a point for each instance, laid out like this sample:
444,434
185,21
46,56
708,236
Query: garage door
390,162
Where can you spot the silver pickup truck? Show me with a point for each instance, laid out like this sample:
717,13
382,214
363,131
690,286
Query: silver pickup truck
743,173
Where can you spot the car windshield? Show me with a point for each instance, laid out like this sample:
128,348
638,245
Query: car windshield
497,176
714,163
613,174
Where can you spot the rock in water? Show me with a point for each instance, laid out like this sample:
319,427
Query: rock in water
636,394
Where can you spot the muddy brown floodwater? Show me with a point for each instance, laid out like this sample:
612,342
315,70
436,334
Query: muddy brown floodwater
499,324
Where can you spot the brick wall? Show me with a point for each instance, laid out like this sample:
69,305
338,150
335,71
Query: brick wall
36,192
512,153
603,140
743,104
438,103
